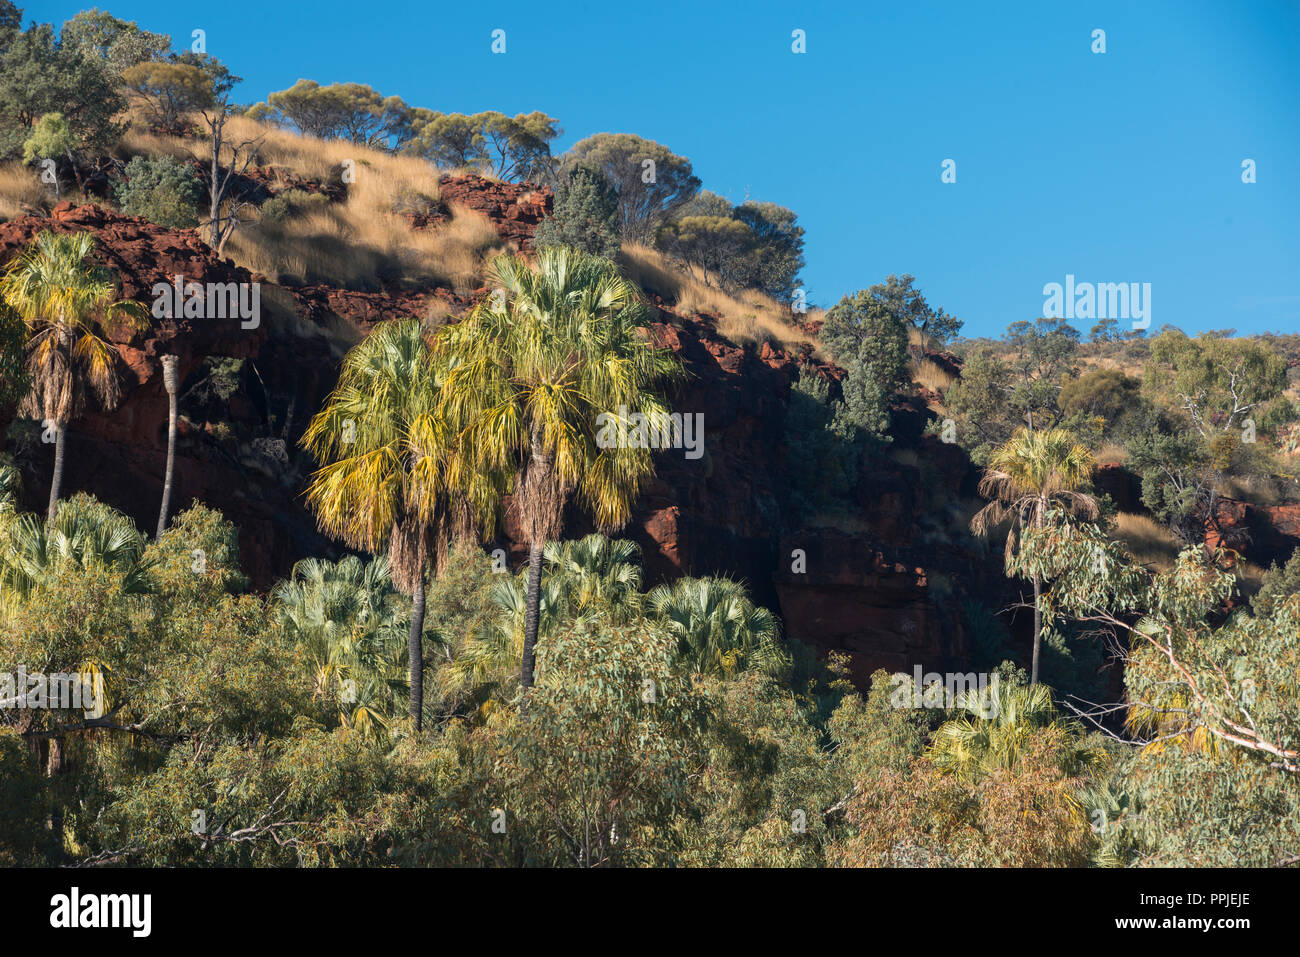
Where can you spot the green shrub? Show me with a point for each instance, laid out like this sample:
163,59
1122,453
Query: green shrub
163,190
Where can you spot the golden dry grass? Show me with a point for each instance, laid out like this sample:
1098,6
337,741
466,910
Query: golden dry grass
364,242
931,375
746,316
1150,542
21,192
1112,453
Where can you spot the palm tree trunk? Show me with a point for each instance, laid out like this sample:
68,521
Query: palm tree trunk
56,480
416,649
535,503
1038,627
170,383
532,614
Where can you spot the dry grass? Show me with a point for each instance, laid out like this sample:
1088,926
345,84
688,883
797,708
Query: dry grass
349,245
747,316
21,192
1259,490
362,243
1112,453
931,375
1150,542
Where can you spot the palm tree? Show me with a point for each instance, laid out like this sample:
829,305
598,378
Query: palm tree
11,483
84,533
993,732
1029,476
581,581
529,373
62,296
345,617
718,628
171,383
391,477
595,571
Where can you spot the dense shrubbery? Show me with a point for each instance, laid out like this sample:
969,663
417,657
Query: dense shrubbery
233,730
163,190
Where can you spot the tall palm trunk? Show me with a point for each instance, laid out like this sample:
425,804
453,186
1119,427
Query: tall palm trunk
535,503
1039,512
532,614
170,383
416,650
56,480
1038,628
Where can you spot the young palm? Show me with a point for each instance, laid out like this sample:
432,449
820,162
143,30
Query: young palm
528,373
1029,476
344,615
998,722
84,533
390,472
718,628
594,576
65,299
595,571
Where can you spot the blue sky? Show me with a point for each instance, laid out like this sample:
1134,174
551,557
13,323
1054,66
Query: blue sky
1115,167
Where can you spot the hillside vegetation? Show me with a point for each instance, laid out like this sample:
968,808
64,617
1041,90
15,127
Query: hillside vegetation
442,677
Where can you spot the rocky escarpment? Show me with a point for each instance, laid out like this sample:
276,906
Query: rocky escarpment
240,464
885,581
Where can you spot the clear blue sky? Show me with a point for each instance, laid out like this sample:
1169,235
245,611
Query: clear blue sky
1115,167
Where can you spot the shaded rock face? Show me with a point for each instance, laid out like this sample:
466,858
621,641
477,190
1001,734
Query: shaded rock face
889,592
1263,535
1121,485
120,456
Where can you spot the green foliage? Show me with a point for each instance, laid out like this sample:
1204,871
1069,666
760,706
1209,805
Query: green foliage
1178,479
51,138
866,335
1105,393
24,805
14,379
766,779
774,258
719,630
163,190
38,75
1277,585
649,180
352,627
348,111
119,44
1218,383
168,90
1211,701
512,148
605,741
754,245
822,461
585,216
1014,383
290,204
